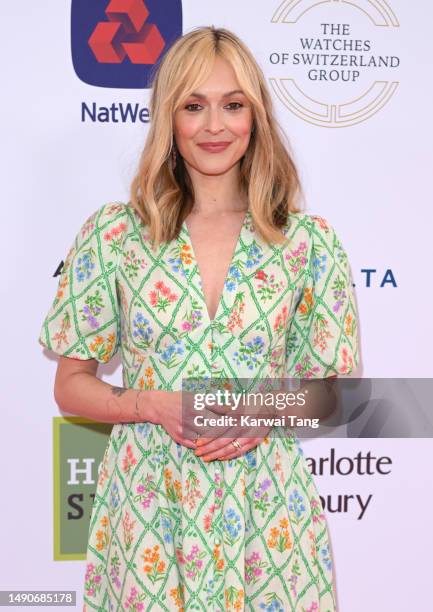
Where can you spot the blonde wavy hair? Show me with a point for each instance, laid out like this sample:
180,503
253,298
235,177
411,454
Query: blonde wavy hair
161,192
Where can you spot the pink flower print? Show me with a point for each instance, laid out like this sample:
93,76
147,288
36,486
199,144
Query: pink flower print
162,296
153,297
145,491
128,460
347,365
114,237
254,567
296,258
280,320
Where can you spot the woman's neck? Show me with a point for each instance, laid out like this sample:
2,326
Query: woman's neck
219,194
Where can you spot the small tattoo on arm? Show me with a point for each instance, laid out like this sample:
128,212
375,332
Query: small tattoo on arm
118,391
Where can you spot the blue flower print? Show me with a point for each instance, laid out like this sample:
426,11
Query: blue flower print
233,278
85,266
274,605
326,557
142,332
296,505
143,429
232,525
254,255
167,529
169,355
249,353
114,496
250,456
176,266
319,265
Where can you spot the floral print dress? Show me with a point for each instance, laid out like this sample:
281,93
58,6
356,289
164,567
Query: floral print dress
168,531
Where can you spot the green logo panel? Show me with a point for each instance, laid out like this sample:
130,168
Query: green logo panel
78,446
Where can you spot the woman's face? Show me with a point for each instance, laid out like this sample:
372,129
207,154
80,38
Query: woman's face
218,112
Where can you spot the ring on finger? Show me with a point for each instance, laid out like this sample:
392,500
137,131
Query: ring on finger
236,444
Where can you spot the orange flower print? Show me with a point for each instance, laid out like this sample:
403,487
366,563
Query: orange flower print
185,254
173,489
192,490
321,221
234,599
178,594
321,332
279,537
349,325
147,382
63,284
61,337
102,535
103,348
154,567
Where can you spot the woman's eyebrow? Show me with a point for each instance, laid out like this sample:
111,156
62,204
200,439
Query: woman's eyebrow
196,94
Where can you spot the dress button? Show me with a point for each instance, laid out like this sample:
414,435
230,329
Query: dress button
217,541
217,471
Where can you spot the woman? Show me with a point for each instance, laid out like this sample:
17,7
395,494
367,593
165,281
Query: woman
210,271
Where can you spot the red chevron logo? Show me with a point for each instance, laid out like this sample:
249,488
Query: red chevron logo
126,33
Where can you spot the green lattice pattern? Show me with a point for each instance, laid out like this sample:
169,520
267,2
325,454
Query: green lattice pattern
169,531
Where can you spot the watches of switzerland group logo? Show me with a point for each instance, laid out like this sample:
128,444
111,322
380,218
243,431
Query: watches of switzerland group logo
117,43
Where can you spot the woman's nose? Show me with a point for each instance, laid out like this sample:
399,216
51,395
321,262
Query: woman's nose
214,120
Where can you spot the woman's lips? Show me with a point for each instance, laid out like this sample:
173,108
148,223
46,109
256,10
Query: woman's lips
214,147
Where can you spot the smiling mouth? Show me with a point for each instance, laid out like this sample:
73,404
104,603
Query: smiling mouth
214,146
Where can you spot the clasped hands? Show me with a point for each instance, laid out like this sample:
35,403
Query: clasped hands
230,441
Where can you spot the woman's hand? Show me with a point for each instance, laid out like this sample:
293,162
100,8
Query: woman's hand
222,448
170,417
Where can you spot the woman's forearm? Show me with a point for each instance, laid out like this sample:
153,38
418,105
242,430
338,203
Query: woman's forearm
83,394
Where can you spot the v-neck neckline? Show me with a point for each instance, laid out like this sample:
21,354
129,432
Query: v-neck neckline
223,298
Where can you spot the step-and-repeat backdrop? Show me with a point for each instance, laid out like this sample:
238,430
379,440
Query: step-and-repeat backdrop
352,89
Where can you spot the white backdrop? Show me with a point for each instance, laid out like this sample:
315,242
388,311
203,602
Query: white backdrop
371,180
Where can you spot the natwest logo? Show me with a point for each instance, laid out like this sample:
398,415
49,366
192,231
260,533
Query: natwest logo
116,43
126,34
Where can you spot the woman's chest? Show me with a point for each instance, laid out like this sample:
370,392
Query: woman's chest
252,293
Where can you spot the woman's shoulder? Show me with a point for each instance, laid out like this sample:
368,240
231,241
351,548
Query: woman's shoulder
117,217
310,226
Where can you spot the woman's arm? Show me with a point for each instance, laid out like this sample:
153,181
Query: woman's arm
77,390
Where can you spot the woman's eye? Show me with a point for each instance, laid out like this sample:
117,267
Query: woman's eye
188,106
239,105
193,106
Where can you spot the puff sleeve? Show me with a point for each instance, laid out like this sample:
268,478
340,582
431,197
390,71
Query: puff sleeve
83,321
322,335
